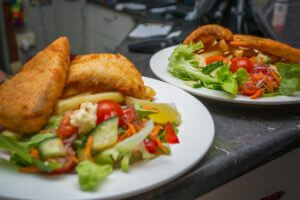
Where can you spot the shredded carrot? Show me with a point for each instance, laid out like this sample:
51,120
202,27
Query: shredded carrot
160,144
275,76
29,169
88,148
156,129
131,129
72,157
148,107
124,136
34,153
258,94
138,127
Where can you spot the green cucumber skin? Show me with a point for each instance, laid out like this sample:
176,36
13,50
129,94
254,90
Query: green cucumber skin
105,134
52,147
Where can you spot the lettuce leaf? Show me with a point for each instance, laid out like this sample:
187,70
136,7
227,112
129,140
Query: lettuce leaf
228,82
183,65
53,122
183,61
20,154
36,140
13,147
91,174
290,78
241,75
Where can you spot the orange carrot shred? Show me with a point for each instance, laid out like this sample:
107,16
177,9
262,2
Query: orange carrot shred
156,129
88,148
160,144
125,135
258,94
131,129
29,169
34,153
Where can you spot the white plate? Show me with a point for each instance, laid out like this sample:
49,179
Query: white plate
159,64
196,134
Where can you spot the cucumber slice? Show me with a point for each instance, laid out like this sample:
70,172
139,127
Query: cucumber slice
52,147
105,134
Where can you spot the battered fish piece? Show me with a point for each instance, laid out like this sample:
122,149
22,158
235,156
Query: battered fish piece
267,46
208,34
28,99
105,72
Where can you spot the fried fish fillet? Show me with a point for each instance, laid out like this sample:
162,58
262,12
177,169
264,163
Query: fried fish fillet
105,72
28,99
267,46
208,34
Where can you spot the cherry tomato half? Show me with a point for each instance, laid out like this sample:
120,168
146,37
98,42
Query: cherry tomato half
65,129
150,145
107,109
237,63
170,136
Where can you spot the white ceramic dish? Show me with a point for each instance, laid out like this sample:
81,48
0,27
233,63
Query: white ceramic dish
159,65
196,135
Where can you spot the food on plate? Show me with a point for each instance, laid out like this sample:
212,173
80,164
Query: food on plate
267,46
214,58
88,133
105,72
28,99
208,34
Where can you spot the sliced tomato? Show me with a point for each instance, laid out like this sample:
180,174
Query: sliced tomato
107,109
65,128
151,146
242,62
212,59
170,135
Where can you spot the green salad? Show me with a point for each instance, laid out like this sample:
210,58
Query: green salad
245,72
95,139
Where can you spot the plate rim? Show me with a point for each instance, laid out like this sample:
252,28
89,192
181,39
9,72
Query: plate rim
162,182
215,97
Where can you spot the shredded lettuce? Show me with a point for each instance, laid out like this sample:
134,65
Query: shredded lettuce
290,78
91,174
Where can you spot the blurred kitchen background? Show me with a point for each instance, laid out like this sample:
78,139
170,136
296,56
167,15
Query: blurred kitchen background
145,26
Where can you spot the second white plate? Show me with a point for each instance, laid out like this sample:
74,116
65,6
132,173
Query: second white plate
159,65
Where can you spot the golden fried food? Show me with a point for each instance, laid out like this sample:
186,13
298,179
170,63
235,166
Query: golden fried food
208,34
28,99
105,72
267,46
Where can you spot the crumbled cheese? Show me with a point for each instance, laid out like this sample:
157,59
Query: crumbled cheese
85,118
201,61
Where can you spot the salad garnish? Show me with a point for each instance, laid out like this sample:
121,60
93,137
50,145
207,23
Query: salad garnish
254,76
93,139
